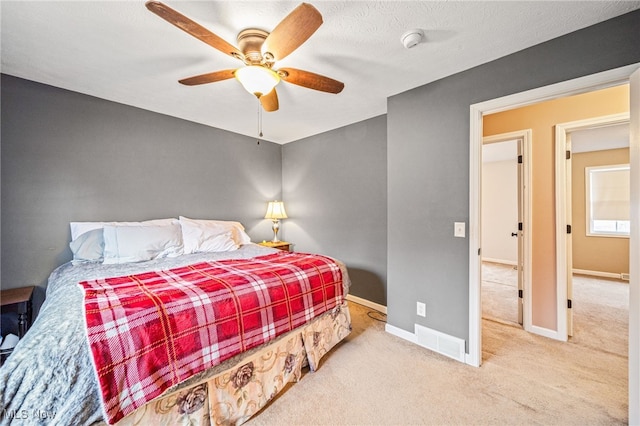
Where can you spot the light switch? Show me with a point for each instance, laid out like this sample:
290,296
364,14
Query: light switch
458,230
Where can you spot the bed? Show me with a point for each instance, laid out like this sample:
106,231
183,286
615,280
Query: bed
55,374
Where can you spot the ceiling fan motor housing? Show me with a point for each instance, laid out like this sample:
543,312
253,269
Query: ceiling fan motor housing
250,43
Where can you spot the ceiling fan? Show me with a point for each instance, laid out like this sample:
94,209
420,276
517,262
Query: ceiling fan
259,50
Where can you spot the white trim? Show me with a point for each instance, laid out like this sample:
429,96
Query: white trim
595,122
609,235
476,111
634,252
545,332
562,237
367,303
588,178
401,333
474,356
562,254
577,86
612,275
528,228
504,137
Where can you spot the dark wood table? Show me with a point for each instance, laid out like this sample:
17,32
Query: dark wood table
18,300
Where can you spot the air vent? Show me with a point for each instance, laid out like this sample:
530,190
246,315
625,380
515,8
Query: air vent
441,343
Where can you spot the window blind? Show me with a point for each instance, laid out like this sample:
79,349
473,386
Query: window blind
609,192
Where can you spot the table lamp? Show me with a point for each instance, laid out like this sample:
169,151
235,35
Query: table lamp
275,212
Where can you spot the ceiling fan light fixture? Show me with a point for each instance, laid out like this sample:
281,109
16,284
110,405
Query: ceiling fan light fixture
257,80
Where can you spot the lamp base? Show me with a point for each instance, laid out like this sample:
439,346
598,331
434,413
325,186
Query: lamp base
276,228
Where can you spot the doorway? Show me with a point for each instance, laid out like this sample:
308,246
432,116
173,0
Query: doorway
506,166
565,226
605,79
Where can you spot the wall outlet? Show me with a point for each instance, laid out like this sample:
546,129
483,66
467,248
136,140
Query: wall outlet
458,229
421,309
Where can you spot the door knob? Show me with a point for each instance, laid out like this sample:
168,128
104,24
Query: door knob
514,234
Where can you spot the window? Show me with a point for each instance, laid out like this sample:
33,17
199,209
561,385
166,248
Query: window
607,195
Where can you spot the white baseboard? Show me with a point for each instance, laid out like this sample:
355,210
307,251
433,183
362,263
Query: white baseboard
367,303
552,334
403,334
502,261
612,275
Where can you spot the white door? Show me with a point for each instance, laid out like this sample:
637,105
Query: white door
569,239
504,209
520,231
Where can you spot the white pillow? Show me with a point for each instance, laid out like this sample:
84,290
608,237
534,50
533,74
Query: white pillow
125,244
206,236
88,247
79,228
216,227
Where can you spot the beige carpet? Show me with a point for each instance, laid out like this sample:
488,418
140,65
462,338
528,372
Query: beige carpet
375,378
499,292
600,306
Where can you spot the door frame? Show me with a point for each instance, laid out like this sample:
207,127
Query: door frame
563,211
614,77
526,137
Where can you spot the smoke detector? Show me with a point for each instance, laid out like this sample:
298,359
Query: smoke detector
412,38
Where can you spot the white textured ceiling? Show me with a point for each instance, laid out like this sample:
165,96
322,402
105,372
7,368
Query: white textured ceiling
118,50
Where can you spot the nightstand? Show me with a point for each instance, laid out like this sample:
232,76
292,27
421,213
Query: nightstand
19,301
280,245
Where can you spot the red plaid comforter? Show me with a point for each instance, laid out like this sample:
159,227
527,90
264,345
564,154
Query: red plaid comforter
153,330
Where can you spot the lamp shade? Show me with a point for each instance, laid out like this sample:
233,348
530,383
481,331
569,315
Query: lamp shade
257,79
275,210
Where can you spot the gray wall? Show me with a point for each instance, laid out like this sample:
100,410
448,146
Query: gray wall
335,192
428,165
71,157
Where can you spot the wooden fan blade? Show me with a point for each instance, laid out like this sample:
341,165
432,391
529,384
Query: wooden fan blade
270,101
193,28
211,77
292,31
311,80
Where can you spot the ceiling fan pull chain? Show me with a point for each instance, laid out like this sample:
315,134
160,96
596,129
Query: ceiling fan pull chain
259,118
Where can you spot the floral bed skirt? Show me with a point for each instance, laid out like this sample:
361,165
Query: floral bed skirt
233,395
